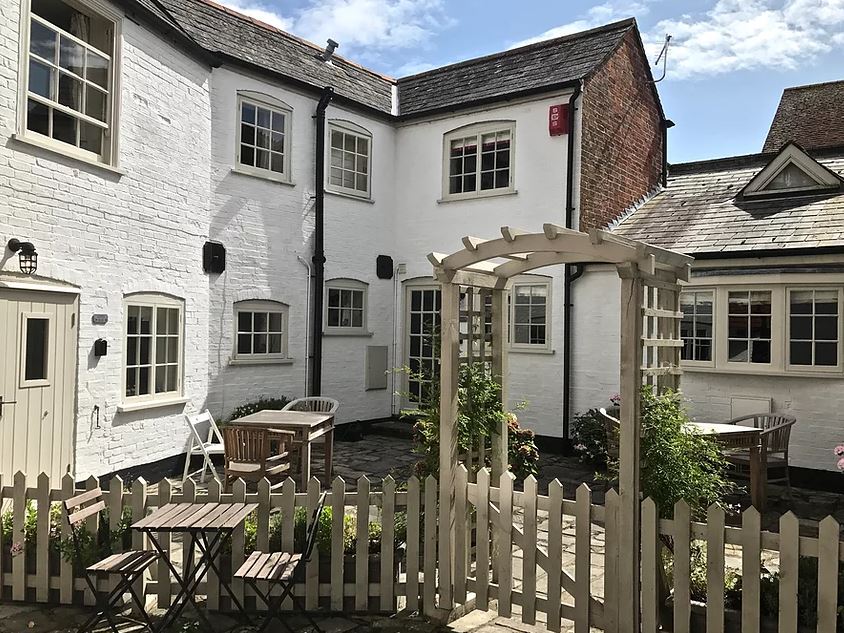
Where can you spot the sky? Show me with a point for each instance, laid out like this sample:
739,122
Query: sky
728,62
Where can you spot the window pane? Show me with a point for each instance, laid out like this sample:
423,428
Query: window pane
357,299
37,117
35,365
333,317
160,349
161,321
487,180
143,381
144,357
132,321
363,146
262,159
97,69
277,142
173,321
262,138
738,303
502,179
146,320
131,382
760,352
275,321
131,351
247,134
349,142
264,117
278,122
90,137
260,322
738,351
801,302
244,344
801,353
64,127
826,328
160,378
760,302
259,343
333,297
357,318
247,155
173,349
247,113
738,327
470,183
172,376
72,56
361,182
826,302
826,354
244,321
275,343
42,41
703,349
40,79
521,333
760,327
70,92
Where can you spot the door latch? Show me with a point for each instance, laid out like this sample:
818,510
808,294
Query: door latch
2,402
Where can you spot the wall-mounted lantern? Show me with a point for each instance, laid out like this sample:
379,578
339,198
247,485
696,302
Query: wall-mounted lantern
27,256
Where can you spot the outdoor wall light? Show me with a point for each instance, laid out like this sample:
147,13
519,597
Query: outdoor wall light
26,254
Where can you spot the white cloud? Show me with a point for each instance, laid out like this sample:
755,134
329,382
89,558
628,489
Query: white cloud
363,28
750,34
596,16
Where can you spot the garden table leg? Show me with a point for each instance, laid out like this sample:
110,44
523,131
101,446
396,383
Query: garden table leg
757,489
329,456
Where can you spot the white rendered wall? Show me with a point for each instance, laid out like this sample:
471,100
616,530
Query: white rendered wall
266,227
423,225
113,234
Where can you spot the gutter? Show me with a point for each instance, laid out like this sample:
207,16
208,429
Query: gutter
572,272
318,258
770,252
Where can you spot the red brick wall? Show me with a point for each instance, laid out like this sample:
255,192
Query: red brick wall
621,156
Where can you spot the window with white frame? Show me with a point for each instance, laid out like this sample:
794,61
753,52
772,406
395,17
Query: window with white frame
153,362
349,166
479,160
260,330
263,139
530,315
69,71
749,326
696,326
813,328
345,306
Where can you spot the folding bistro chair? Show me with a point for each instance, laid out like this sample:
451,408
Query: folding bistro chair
130,566
284,569
213,445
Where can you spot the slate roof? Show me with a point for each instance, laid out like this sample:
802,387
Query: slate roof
527,69
230,34
811,116
698,211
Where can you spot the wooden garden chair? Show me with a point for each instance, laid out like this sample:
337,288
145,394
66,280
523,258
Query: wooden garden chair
129,566
283,569
775,438
314,404
247,453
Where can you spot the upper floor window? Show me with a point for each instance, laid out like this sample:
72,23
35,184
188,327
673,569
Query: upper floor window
154,334
263,139
69,71
479,160
260,330
349,159
345,306
530,312
696,326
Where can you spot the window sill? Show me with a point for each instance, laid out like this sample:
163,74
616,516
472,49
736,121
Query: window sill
358,333
54,148
261,361
773,373
479,196
350,196
269,176
151,404
527,350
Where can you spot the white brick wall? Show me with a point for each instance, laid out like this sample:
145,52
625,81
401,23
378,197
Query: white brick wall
110,234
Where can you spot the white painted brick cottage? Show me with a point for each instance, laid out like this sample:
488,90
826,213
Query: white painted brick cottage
136,134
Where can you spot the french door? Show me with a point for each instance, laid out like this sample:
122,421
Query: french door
423,324
38,335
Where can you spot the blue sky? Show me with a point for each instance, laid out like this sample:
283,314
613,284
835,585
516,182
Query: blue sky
728,63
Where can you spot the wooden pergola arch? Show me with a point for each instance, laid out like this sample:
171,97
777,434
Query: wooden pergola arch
650,354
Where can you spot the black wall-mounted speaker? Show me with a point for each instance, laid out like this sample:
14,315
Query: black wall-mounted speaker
213,257
384,267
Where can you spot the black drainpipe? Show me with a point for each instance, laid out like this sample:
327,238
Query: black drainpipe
571,273
319,239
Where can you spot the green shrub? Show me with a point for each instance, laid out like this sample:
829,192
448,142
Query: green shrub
261,404
589,438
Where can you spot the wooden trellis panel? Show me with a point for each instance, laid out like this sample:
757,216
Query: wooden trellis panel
661,339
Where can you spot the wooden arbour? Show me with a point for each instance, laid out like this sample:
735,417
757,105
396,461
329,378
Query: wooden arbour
649,352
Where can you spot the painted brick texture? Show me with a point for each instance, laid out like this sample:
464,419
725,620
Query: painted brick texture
621,150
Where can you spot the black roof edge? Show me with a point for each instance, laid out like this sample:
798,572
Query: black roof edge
747,160
769,252
306,87
179,37
510,96
535,45
650,77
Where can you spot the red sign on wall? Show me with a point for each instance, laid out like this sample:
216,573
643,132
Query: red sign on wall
558,119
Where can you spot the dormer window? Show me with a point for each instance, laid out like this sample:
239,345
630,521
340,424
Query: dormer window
791,173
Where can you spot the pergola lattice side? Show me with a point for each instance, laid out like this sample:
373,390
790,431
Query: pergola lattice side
650,354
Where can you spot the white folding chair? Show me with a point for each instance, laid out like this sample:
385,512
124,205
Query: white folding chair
213,445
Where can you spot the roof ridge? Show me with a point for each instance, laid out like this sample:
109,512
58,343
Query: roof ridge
301,40
627,22
748,160
815,85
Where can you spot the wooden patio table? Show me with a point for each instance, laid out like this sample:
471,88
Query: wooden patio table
735,436
209,526
306,426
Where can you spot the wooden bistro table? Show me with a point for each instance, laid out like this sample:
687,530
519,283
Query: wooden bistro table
306,426
735,436
209,526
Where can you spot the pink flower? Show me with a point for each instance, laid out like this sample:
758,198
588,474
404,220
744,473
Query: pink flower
839,450
841,464
17,547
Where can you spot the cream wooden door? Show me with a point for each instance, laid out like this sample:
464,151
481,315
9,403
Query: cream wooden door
38,338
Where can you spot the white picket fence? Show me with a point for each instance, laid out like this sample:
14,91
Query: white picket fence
534,557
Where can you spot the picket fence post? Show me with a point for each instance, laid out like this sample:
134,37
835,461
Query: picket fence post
388,542
529,552
555,554
42,580
413,536
583,558
362,546
789,565
682,569
338,513
18,540
429,589
312,567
